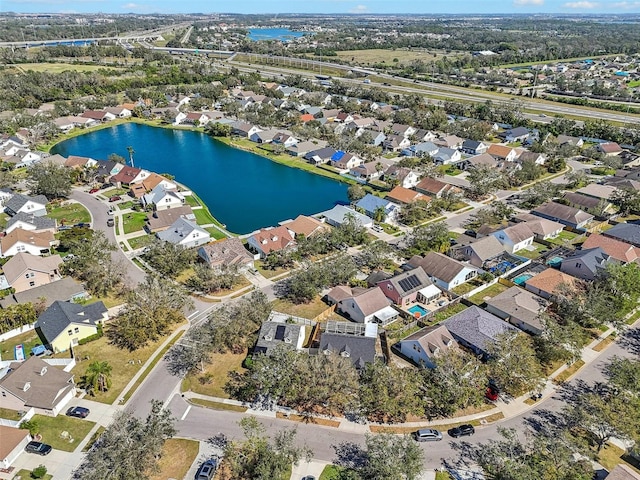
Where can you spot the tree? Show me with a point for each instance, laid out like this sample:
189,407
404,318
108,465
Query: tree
576,179
50,180
355,193
539,193
561,340
305,284
624,374
428,238
150,309
375,255
135,443
208,280
513,364
259,457
216,129
32,425
98,376
131,151
39,472
391,456
484,180
168,259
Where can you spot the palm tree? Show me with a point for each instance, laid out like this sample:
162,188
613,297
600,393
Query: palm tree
131,152
98,376
379,214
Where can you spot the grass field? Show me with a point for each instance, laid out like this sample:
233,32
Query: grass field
215,233
379,55
216,375
28,340
24,474
52,428
59,67
68,214
203,217
134,221
491,291
218,405
304,310
176,458
141,241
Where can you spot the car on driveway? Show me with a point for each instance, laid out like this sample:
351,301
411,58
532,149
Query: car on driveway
462,431
94,190
207,470
79,412
115,198
38,448
427,435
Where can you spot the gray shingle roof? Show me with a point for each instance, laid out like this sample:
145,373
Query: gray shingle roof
273,334
477,327
16,202
411,281
41,223
360,350
627,232
57,318
437,265
64,289
180,229
592,258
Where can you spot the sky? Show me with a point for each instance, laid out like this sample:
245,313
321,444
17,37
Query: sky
324,6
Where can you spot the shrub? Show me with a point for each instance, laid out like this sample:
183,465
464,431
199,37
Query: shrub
39,472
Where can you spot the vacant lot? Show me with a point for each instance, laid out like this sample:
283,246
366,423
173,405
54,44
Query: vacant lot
378,55
176,458
59,67
212,380
305,310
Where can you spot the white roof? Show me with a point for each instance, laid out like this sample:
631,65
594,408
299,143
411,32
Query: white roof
386,313
430,291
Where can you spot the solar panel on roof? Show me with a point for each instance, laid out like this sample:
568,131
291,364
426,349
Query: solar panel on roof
409,283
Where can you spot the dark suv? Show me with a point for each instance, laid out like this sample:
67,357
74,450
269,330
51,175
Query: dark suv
207,470
78,412
38,448
461,431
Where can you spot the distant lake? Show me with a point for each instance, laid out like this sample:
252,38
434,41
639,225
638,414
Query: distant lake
281,34
243,190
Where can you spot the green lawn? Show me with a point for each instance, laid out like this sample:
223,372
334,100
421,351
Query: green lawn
176,458
215,233
565,237
491,291
191,200
9,414
304,310
94,438
213,379
52,428
25,474
128,204
450,311
203,217
114,191
3,220
71,213
533,254
28,340
141,241
332,472
134,221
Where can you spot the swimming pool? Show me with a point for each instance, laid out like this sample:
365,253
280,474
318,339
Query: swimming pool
554,262
520,279
418,309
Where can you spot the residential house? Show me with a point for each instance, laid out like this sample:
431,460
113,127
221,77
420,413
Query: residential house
586,264
445,272
199,119
344,161
616,249
518,134
425,345
626,232
279,332
519,307
422,135
67,289
362,305
160,220
549,283
483,160
264,136
36,205
377,208
65,124
78,162
502,152
20,240
30,222
405,177
5,195
447,156
569,216
305,226
404,196
301,149
515,237
542,228
623,472
22,158
368,171
119,111
403,130
474,147
589,204
186,233
163,199
24,271
449,141
13,442
36,384
371,137
285,139
341,214
569,140
527,156
421,149
98,115
243,129
105,169
435,188
359,349
481,251
128,175
228,252
395,143
64,324
610,149
320,155
152,181
477,329
600,192
272,239
404,289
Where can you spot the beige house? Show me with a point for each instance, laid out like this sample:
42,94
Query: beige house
12,445
20,240
24,271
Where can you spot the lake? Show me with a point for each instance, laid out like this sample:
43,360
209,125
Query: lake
243,190
281,34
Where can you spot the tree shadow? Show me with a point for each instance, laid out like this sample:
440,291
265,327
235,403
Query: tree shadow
218,441
630,340
546,422
350,455
569,392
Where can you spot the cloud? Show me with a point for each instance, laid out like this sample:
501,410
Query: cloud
359,9
627,5
525,3
581,5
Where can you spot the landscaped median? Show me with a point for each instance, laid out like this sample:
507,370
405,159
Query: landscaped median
494,417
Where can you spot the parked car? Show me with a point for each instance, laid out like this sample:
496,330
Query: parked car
207,470
110,222
38,448
427,435
94,190
377,228
106,185
115,198
79,412
492,393
462,431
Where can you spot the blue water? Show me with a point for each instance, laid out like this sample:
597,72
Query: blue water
418,309
281,34
520,279
242,190
554,262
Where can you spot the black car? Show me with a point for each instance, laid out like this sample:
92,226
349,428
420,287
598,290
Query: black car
38,447
462,431
79,412
110,222
207,470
